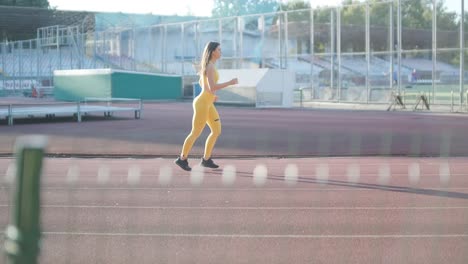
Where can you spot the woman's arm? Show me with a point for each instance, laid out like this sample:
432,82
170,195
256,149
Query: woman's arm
210,74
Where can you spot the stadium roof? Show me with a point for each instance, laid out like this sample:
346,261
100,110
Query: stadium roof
20,23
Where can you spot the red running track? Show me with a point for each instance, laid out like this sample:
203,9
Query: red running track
251,132
265,210
350,194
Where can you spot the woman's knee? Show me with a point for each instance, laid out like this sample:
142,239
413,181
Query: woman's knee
196,132
216,130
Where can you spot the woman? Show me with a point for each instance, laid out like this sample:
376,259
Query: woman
204,111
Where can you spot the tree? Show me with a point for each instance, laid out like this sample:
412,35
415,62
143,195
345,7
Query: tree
353,14
294,5
227,8
299,23
416,14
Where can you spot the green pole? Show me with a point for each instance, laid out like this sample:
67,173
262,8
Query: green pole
24,232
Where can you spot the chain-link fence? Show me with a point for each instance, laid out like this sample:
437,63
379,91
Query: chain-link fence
359,53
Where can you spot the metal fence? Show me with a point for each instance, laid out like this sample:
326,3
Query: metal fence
337,57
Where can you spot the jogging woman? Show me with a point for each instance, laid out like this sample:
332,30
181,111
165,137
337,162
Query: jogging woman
204,111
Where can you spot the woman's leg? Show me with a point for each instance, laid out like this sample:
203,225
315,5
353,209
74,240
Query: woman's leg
214,123
200,115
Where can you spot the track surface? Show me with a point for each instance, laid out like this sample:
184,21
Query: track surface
295,186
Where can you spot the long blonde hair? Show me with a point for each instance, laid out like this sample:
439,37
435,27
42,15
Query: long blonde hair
207,52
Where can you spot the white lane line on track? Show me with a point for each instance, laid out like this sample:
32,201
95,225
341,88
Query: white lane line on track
252,235
370,208
355,188
396,172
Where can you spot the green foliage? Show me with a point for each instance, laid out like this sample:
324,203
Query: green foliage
227,8
297,5
294,5
416,14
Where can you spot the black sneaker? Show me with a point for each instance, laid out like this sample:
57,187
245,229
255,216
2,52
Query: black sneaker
208,163
183,164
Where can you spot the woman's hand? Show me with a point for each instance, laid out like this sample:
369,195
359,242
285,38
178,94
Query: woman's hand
233,81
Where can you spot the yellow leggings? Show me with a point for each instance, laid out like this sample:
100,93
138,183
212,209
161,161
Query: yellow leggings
204,112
